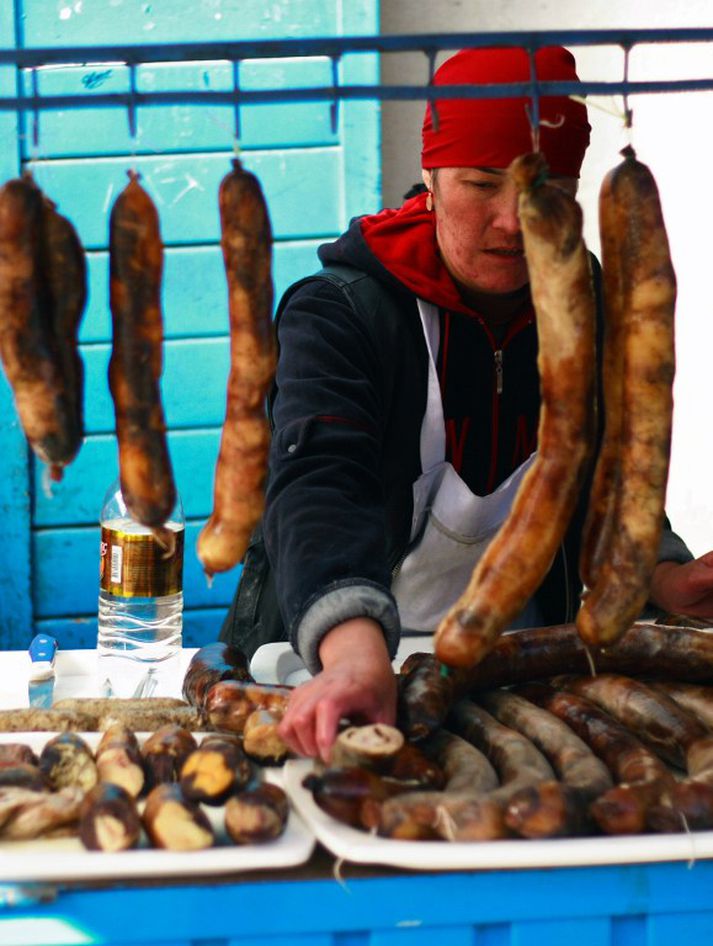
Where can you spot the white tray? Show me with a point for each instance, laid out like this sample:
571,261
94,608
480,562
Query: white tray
67,859
364,848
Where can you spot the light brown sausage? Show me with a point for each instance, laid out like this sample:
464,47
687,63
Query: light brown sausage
136,269
598,525
648,297
518,557
242,461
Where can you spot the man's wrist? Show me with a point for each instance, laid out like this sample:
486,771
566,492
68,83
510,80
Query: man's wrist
357,637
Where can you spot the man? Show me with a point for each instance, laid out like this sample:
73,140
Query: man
405,414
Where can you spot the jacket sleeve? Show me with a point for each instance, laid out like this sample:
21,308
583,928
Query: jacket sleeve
324,520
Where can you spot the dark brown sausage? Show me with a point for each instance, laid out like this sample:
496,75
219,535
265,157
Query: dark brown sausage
28,345
648,298
641,775
135,269
677,653
694,698
572,759
109,819
229,703
257,815
598,525
164,753
242,462
688,803
520,554
65,270
654,718
209,664
425,693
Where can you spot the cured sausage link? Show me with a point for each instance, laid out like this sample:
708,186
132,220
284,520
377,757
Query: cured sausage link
598,524
641,775
572,759
238,492
657,720
45,399
517,559
648,297
688,804
136,268
66,273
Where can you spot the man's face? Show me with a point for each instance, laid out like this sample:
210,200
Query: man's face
478,229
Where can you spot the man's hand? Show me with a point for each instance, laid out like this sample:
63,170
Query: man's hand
357,682
685,589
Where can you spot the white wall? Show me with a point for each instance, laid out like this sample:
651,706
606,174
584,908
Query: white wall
672,133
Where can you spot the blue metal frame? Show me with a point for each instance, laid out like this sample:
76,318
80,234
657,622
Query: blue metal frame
336,47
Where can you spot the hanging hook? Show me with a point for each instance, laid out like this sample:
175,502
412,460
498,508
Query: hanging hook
334,107
431,56
534,112
236,98
131,107
35,110
628,113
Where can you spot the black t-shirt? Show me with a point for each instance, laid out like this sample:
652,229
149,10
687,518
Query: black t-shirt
491,396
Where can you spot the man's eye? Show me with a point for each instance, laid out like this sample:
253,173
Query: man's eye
483,185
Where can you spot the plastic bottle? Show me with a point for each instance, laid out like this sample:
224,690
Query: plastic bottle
140,602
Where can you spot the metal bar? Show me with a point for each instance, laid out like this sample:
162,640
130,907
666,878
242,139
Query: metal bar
338,46
329,93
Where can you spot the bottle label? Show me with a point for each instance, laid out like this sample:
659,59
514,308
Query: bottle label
137,566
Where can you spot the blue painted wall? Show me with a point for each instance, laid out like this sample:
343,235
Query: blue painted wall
315,180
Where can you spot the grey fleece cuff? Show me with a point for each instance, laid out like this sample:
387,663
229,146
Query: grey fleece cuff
342,601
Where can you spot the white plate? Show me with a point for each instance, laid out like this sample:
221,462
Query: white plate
364,848
278,663
66,858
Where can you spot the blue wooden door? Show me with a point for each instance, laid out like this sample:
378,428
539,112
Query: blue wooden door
316,176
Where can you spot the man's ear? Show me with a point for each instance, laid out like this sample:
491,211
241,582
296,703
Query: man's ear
426,177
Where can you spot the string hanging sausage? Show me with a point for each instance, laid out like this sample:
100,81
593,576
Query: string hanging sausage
517,559
135,268
646,285
240,472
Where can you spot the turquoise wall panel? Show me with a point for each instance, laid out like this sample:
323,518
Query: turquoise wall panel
199,626
66,576
50,23
78,498
189,127
193,282
193,384
302,189
313,186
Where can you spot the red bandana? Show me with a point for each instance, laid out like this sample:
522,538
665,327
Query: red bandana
492,132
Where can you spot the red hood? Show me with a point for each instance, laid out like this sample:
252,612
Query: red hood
404,241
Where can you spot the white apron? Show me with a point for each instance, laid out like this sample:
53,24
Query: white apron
455,525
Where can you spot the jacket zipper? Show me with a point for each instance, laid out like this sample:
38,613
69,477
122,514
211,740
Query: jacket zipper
498,356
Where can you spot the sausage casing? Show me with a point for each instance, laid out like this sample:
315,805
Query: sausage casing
135,270
648,298
241,469
519,556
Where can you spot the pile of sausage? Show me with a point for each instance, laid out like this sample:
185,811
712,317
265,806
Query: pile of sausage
555,753
43,292
626,504
125,791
